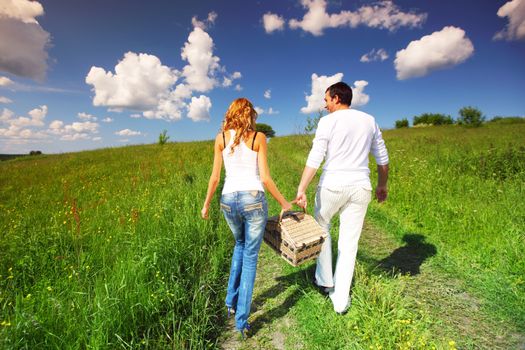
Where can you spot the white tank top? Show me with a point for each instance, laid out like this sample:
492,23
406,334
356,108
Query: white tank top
242,169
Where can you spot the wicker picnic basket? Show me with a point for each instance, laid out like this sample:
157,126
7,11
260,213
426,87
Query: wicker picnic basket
295,236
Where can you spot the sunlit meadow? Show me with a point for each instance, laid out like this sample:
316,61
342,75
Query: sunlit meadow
105,249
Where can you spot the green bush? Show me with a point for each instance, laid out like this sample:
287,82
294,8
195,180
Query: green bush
163,137
470,116
432,119
402,123
311,123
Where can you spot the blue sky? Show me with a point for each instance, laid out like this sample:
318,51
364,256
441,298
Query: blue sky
78,75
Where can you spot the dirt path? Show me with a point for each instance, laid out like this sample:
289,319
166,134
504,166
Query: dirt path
271,301
443,297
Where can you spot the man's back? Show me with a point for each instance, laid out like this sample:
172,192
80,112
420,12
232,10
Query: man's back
344,139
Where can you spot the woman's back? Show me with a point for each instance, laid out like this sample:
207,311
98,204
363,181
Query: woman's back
242,170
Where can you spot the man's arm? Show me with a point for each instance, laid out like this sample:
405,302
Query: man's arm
382,178
315,158
306,178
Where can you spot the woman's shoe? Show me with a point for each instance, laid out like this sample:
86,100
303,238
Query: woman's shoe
244,330
231,311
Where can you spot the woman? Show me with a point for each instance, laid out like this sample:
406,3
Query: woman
243,201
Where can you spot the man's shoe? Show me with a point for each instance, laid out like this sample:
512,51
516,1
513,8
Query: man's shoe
322,289
345,311
342,313
231,311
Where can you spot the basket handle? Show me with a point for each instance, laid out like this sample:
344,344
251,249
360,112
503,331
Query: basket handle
283,212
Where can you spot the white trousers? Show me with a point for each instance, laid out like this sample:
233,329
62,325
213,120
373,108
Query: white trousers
351,202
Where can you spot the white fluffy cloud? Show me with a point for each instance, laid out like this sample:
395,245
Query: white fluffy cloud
127,132
74,131
439,50
383,15
21,128
315,101
86,116
359,98
269,111
4,99
36,118
23,10
272,22
31,129
212,16
272,111
199,108
14,133
202,65
515,29
138,82
228,80
5,81
238,87
75,136
374,55
56,125
268,94
107,120
23,48
142,83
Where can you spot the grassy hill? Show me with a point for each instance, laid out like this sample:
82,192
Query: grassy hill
106,249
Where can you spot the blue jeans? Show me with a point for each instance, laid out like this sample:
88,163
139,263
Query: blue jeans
246,213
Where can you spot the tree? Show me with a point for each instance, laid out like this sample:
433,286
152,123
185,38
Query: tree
470,116
432,119
163,137
311,123
403,123
265,129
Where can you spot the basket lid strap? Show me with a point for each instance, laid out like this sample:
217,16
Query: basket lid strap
283,212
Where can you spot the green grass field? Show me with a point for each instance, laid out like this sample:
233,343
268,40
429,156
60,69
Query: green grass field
105,249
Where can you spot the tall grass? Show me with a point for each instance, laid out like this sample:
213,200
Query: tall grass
105,249
463,189
460,188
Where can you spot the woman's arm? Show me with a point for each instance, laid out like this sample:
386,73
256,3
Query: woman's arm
264,173
215,176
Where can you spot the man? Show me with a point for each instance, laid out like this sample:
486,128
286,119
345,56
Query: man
344,139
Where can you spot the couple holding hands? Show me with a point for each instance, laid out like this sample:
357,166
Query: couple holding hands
344,139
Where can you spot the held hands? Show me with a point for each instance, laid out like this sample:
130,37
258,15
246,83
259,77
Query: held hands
300,199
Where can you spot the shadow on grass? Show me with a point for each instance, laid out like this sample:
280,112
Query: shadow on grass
297,281
407,260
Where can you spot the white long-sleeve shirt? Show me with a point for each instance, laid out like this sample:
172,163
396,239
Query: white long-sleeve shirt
344,139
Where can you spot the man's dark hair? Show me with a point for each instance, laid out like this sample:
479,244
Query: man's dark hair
342,90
